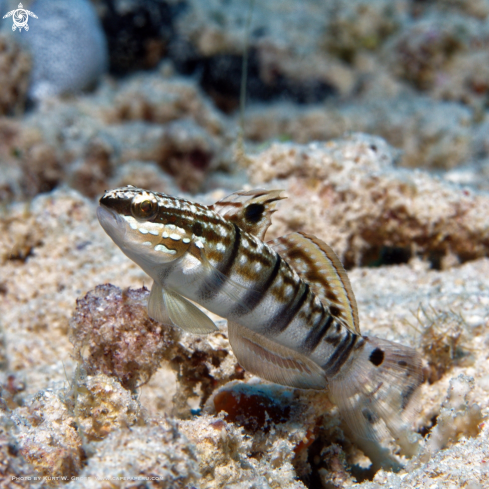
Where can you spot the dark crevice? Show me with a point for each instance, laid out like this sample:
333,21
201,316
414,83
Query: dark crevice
387,255
378,255
362,474
22,254
327,457
435,257
220,77
426,430
313,480
139,38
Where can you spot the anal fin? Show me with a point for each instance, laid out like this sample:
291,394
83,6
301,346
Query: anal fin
274,362
165,306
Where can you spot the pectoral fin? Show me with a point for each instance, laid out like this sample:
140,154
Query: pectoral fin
165,306
274,362
156,305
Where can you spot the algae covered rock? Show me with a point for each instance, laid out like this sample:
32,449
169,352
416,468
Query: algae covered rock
112,334
48,436
364,206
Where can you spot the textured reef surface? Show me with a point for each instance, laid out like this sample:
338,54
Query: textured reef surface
371,115
91,387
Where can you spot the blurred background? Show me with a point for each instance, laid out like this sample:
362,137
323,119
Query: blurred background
107,92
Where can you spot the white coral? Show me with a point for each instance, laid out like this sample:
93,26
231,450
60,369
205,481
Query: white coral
68,47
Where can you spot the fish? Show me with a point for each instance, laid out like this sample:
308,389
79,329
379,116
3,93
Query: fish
291,311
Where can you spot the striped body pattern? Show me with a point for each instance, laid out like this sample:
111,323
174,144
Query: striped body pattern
292,315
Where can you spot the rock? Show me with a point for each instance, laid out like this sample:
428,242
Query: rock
159,455
68,48
265,435
138,31
349,193
112,334
15,70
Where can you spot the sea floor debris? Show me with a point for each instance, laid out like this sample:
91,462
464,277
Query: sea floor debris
91,388
64,410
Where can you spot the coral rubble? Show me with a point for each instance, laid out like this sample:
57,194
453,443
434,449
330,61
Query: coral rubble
236,431
364,206
112,334
371,115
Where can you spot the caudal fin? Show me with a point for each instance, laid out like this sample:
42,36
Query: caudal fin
376,393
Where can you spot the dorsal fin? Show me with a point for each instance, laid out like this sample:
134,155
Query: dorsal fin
317,264
250,210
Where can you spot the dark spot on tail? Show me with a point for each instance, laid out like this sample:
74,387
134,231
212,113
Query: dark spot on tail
402,363
377,357
369,416
407,395
254,212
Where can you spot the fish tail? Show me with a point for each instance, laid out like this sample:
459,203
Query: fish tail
376,391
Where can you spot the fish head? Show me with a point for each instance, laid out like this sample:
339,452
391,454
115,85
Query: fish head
137,221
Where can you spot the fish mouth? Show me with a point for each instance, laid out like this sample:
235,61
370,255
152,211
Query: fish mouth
114,225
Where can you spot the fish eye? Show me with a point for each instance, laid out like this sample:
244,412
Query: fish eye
144,207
